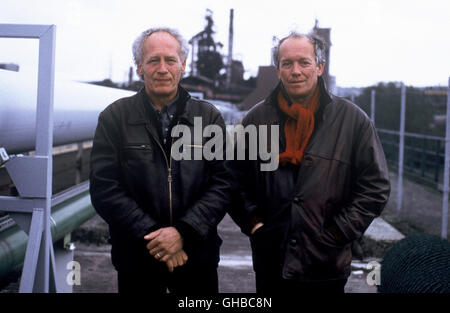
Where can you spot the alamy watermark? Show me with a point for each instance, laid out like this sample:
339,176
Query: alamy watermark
74,275
374,277
236,136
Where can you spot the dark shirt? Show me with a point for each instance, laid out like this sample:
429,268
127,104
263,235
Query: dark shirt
164,116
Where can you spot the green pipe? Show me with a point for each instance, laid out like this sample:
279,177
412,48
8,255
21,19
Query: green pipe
68,216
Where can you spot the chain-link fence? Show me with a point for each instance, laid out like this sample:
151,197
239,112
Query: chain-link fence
415,151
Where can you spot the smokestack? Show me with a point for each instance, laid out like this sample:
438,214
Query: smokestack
230,50
130,76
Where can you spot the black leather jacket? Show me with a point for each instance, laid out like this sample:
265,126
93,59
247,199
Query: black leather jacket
313,212
137,187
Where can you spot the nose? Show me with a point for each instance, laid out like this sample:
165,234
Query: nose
296,69
162,67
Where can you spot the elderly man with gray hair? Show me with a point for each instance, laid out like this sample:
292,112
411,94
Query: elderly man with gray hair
332,179
162,212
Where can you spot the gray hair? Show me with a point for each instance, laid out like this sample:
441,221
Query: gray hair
138,43
317,42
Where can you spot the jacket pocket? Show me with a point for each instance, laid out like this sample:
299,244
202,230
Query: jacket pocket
142,152
332,237
319,227
267,245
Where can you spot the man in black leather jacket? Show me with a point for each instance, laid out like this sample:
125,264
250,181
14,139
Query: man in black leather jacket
162,213
331,182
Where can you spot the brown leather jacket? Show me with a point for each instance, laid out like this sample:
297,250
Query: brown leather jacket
314,211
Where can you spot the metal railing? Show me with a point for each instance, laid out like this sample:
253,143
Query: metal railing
424,155
418,158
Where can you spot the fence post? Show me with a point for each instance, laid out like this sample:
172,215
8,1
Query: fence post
401,150
423,157
437,167
446,168
372,106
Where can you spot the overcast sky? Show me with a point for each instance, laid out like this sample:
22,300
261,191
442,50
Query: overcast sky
372,40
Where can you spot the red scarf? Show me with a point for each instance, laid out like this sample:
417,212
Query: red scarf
298,127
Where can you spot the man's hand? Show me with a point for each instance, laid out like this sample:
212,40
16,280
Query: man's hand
164,243
178,259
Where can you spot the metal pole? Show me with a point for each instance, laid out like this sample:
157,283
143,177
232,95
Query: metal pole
401,150
446,169
372,105
44,145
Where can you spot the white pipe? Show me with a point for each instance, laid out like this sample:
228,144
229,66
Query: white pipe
76,109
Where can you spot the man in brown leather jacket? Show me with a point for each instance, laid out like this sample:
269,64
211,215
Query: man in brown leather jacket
331,182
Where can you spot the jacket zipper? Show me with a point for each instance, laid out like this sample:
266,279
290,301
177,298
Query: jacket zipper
169,174
169,178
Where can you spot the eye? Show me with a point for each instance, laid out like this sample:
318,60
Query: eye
286,64
305,63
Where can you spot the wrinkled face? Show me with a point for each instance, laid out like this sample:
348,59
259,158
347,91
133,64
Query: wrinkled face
298,69
161,65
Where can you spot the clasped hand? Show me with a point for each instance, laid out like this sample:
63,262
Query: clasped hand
166,245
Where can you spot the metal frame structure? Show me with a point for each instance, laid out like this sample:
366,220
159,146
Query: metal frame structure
32,175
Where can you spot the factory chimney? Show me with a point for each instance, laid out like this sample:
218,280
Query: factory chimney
230,51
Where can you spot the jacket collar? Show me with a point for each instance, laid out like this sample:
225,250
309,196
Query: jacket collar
139,115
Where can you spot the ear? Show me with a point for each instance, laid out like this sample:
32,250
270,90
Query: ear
139,70
183,67
278,73
321,69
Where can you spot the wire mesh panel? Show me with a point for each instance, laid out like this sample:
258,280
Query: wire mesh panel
423,154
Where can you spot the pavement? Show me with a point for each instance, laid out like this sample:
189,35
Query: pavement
235,268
